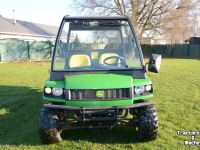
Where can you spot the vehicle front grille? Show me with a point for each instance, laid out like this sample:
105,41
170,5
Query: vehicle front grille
124,93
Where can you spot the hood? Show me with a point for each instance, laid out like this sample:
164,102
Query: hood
98,81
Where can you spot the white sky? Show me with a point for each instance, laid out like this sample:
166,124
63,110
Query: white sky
49,12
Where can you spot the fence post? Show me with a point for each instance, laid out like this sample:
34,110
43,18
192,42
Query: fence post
50,49
188,53
153,49
28,50
172,52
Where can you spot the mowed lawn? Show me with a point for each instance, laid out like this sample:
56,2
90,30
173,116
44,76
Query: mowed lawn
177,98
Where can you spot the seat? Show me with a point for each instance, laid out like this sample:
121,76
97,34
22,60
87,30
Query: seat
78,60
106,55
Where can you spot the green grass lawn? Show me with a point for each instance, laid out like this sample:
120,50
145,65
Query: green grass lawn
177,98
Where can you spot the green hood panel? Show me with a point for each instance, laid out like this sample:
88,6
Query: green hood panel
138,82
58,84
98,81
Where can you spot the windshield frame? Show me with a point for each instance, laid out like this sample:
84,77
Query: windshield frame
68,18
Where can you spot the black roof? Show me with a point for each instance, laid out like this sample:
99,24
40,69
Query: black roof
96,17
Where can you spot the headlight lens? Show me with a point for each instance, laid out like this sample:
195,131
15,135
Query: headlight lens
139,90
57,91
148,88
47,90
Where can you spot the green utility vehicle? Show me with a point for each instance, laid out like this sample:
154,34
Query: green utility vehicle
98,80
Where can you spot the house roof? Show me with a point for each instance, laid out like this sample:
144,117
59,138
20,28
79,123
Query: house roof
24,27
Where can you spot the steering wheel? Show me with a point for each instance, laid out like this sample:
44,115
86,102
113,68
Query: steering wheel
116,62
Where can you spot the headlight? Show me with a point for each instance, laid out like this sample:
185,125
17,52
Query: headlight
47,90
139,90
57,91
148,88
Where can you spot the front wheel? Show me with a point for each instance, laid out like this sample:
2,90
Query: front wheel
48,126
147,129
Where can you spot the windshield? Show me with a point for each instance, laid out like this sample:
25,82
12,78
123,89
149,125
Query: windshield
96,45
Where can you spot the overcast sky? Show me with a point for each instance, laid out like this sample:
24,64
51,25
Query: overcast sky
48,12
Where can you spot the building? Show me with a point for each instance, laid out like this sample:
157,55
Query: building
193,40
27,31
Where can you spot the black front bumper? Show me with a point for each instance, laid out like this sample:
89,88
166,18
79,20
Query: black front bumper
105,108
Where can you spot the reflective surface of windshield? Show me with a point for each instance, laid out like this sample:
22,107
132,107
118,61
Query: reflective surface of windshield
96,45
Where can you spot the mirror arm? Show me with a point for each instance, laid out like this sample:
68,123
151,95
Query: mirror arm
145,66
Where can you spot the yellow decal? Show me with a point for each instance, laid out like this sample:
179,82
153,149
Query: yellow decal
94,55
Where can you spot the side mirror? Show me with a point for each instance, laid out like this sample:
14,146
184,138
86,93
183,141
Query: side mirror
154,63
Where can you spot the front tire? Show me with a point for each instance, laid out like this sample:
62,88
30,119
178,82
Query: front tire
48,126
147,129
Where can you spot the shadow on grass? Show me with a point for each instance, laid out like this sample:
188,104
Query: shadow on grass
19,114
20,107
114,136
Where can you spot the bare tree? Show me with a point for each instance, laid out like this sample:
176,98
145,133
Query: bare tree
150,17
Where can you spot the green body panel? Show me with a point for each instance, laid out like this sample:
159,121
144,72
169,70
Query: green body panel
57,84
143,97
100,103
98,81
63,100
52,99
138,82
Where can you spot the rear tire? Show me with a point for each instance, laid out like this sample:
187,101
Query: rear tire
48,126
147,129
